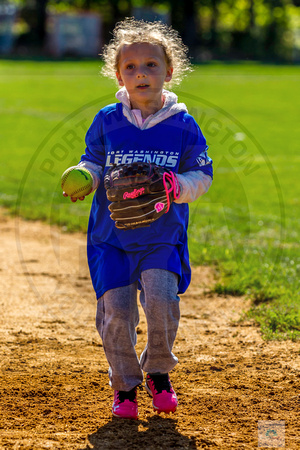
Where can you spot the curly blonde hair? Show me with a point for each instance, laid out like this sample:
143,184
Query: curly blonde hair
132,31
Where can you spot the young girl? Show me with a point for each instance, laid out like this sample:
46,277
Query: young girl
147,124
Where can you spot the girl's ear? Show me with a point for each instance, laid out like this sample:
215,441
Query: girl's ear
119,78
169,74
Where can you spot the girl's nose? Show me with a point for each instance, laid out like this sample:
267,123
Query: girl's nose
141,73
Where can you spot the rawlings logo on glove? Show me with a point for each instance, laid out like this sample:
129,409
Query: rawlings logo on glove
140,193
134,194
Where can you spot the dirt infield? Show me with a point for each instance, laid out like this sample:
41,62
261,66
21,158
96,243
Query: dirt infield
54,384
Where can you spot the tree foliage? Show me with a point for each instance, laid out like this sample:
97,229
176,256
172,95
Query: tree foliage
258,29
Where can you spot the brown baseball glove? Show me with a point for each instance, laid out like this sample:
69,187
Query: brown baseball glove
140,193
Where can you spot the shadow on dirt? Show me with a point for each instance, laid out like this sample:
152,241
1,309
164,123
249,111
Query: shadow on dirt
155,433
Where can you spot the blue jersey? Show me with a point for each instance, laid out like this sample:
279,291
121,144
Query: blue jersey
117,257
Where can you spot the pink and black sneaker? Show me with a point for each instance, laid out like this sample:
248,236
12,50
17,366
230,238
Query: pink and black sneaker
160,388
125,404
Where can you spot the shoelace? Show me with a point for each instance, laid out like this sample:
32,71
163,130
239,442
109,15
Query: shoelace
130,395
161,382
175,188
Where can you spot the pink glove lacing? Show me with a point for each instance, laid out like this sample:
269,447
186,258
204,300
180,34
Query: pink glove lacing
171,178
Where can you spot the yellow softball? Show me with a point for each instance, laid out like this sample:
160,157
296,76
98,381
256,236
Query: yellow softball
77,182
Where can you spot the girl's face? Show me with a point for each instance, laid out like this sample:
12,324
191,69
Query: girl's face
143,70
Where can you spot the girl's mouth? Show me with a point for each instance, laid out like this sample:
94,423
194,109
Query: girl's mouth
143,86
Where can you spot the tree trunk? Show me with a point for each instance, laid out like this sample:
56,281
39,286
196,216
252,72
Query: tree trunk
214,24
252,15
41,14
190,27
183,19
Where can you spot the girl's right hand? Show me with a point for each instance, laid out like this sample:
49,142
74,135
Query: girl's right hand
73,199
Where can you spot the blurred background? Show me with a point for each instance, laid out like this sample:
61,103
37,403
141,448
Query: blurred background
263,30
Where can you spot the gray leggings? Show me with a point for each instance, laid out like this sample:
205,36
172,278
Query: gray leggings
116,320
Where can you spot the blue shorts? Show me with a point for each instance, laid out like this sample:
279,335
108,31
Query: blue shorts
111,267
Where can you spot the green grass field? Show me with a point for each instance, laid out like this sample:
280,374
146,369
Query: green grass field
247,226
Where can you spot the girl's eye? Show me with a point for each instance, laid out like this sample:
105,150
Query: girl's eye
130,66
151,64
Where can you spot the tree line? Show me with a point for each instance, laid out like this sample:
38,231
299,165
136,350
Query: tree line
212,29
